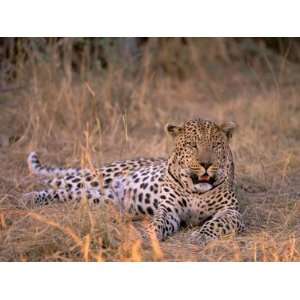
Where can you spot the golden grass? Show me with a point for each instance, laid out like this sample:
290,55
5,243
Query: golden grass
88,121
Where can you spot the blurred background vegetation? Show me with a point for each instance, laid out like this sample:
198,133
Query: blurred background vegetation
176,57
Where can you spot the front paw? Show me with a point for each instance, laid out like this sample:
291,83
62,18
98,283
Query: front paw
153,232
146,232
200,238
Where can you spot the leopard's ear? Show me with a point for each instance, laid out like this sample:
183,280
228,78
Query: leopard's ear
173,130
228,128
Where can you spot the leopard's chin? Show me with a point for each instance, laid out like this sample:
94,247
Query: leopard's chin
202,184
202,187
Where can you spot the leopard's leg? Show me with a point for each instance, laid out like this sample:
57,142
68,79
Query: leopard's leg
50,196
225,222
165,222
45,197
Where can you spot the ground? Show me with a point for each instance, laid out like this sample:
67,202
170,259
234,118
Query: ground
72,121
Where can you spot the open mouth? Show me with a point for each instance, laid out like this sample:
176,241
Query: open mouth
202,179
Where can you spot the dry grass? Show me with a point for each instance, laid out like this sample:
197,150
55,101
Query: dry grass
72,121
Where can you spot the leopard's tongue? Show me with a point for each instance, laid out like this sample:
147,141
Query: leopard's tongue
204,178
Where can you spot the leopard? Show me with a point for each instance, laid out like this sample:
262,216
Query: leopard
194,186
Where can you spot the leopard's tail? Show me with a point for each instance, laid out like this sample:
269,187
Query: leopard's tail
37,168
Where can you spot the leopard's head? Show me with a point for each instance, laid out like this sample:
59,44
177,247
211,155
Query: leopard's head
202,158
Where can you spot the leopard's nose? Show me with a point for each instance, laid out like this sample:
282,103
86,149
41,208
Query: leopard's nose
205,164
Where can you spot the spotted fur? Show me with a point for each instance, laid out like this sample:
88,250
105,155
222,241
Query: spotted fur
195,185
